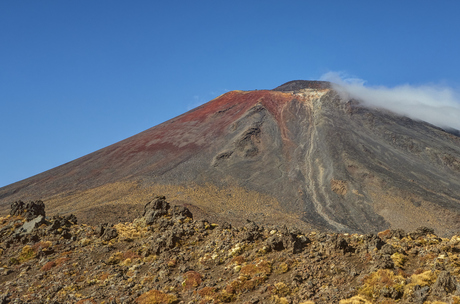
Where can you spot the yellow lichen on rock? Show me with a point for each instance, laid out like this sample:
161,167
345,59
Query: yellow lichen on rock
355,300
156,297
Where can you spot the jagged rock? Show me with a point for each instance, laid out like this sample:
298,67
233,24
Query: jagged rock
251,232
154,209
421,293
181,212
30,210
72,218
34,209
275,242
374,241
398,233
421,232
158,203
385,262
61,222
390,292
445,284
341,244
299,243
387,249
17,208
54,226
67,221
158,257
109,233
287,240
101,229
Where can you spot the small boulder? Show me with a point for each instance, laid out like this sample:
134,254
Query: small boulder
285,239
374,241
251,232
181,212
17,208
387,249
398,233
72,219
421,232
29,226
421,293
341,244
385,262
275,242
109,233
155,209
54,226
445,284
101,229
30,210
34,209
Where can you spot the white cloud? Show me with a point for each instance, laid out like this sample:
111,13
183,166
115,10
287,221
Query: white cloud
438,105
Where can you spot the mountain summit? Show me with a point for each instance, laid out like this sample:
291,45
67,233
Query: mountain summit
298,154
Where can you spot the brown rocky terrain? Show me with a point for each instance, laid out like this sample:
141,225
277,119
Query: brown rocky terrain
298,154
165,256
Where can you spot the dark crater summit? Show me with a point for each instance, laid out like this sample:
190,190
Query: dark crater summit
296,85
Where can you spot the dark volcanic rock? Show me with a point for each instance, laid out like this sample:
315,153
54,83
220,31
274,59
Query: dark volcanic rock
296,85
155,209
34,209
387,249
421,293
421,232
17,208
177,260
385,262
109,233
181,212
251,232
285,239
101,229
159,207
275,242
30,210
445,284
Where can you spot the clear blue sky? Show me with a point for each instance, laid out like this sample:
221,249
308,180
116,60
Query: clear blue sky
76,76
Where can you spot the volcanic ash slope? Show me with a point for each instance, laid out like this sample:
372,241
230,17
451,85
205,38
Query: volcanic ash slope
298,154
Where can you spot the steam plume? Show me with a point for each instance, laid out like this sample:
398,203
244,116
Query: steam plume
436,105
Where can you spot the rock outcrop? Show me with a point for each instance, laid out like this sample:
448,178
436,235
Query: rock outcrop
165,256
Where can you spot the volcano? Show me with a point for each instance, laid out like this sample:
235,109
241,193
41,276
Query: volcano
298,154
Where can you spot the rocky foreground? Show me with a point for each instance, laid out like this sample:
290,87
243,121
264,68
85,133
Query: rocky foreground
167,257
